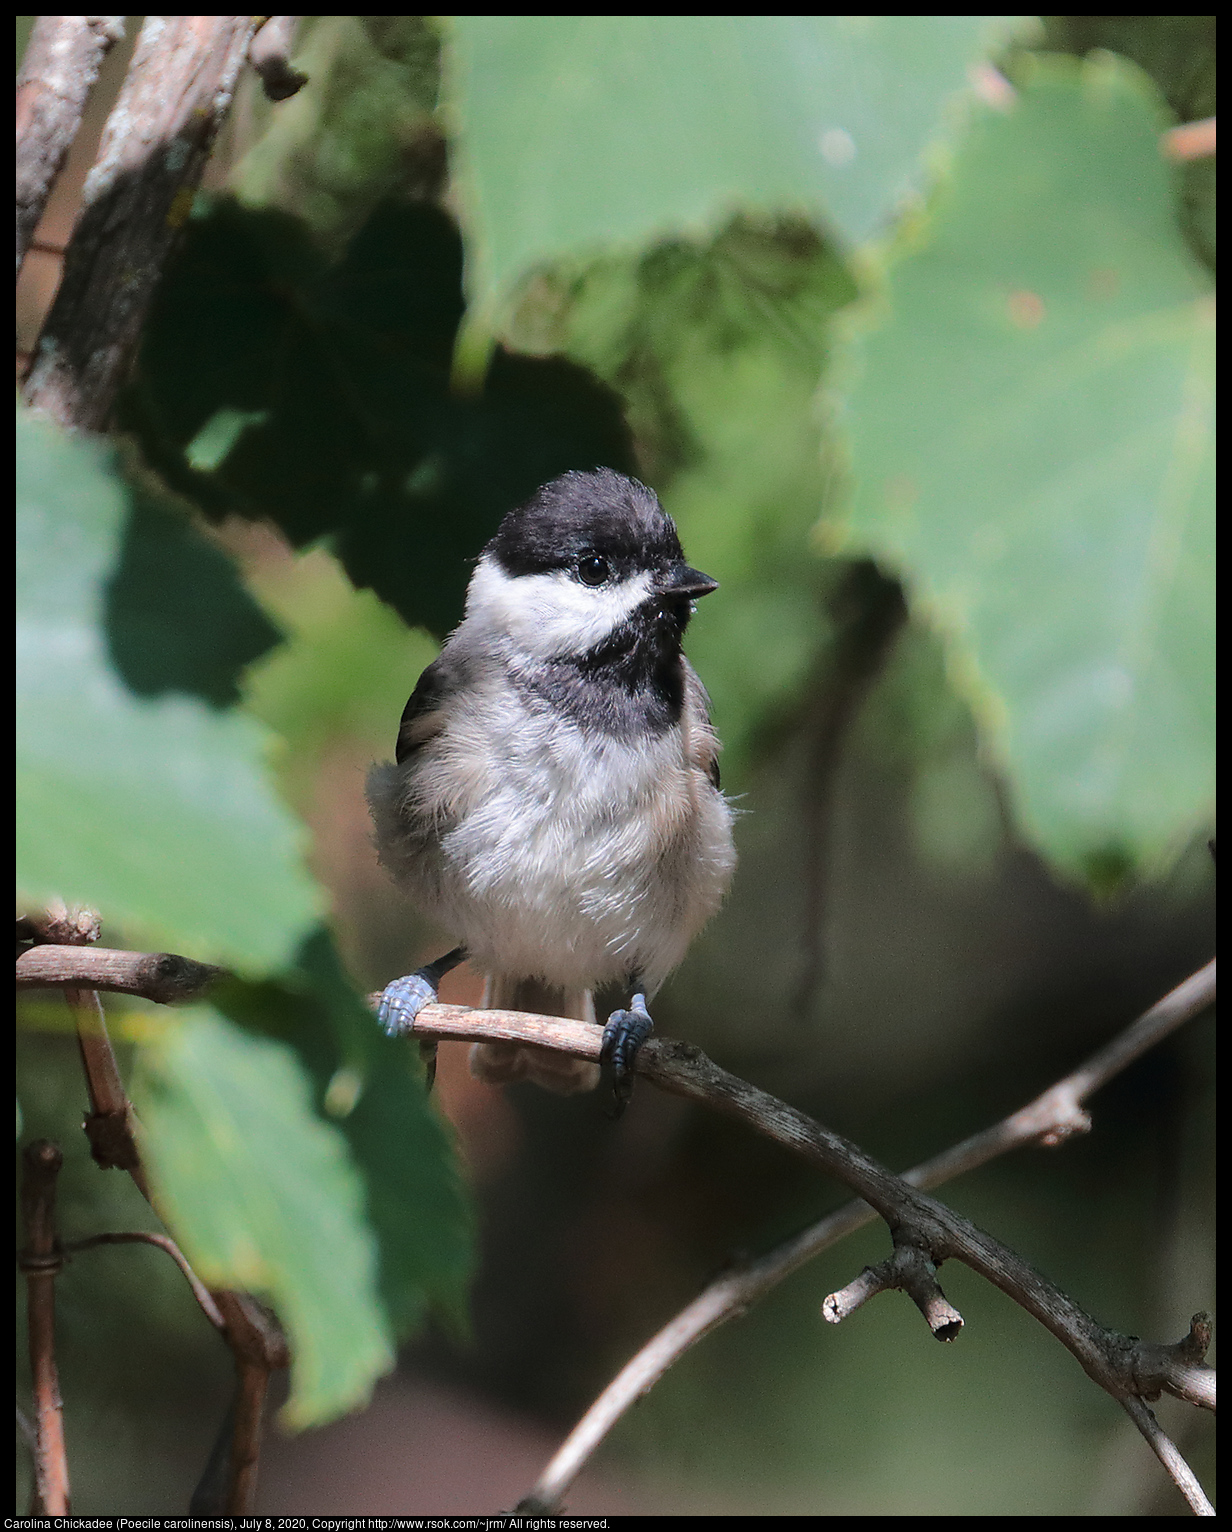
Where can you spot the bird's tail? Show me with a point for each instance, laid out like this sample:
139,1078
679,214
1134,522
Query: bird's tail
503,1063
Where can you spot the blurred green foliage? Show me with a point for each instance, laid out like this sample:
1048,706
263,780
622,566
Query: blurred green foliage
1049,298
118,796
1178,52
586,132
306,1166
835,309
370,1089
717,349
177,619
263,1198
365,131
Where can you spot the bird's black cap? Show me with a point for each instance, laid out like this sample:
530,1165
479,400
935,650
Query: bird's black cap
601,512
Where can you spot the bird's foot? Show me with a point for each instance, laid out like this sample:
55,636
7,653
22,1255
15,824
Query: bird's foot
624,1034
403,999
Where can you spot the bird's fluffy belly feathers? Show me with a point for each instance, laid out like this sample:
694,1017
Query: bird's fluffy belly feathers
578,860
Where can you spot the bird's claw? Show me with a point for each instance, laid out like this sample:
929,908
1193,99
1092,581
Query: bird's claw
623,1035
402,1001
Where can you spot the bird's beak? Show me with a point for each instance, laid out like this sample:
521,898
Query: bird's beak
680,580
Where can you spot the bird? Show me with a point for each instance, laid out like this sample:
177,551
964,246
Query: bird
555,800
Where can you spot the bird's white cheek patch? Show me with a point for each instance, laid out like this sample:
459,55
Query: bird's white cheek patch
551,614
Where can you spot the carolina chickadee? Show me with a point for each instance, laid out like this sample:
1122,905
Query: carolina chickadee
555,801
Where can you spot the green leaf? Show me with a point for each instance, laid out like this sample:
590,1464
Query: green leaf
1179,54
579,132
262,1196
371,1086
177,617
159,814
1030,423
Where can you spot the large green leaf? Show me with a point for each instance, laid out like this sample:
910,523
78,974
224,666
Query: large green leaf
372,1087
178,618
158,813
263,1196
579,132
1030,419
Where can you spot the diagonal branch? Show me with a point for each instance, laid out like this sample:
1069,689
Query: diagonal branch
1052,1117
136,199
1165,1449
62,61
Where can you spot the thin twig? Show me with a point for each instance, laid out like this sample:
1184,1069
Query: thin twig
161,1242
1190,141
259,1346
270,55
1052,1117
61,64
252,1385
1165,1449
161,976
910,1270
41,1261
109,1125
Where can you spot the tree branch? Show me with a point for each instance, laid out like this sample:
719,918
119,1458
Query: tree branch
62,61
1051,1118
161,976
109,1125
1165,1449
136,199
910,1270
41,1261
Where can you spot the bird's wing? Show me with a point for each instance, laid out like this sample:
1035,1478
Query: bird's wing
423,715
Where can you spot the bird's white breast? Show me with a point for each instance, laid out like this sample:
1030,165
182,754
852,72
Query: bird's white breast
552,852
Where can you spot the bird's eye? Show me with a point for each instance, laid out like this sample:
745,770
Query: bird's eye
592,569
